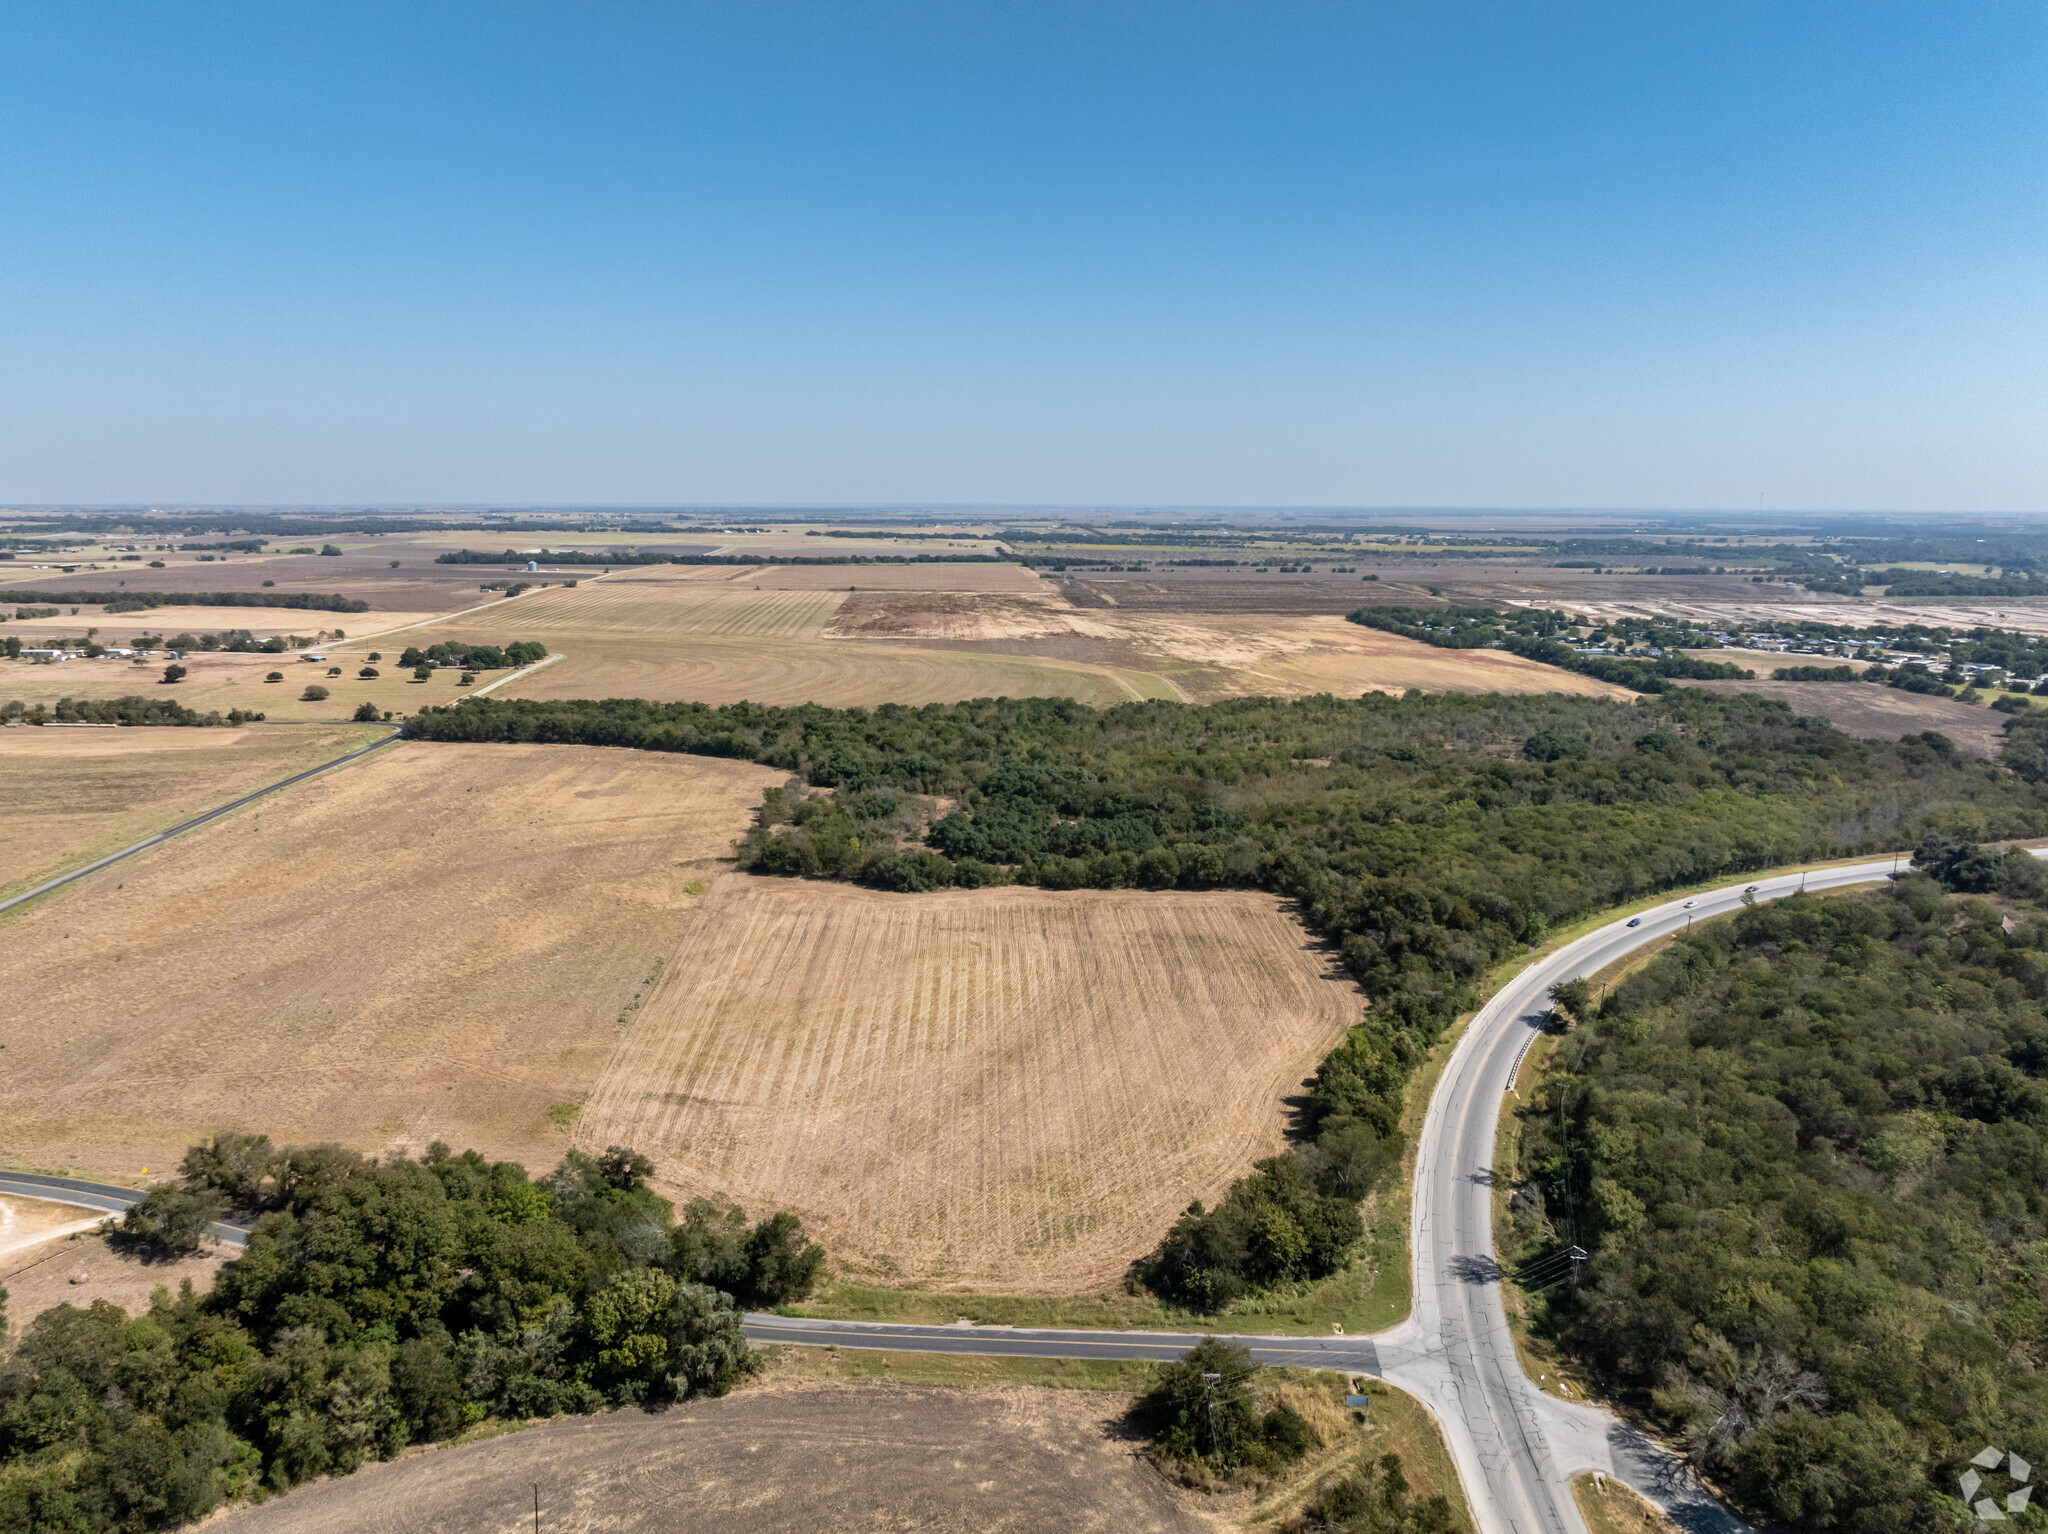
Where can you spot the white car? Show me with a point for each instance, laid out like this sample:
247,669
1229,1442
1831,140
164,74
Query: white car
1690,904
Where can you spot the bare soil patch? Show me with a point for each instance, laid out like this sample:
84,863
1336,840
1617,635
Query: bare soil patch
77,1270
908,1459
1010,1090
1882,713
69,796
437,942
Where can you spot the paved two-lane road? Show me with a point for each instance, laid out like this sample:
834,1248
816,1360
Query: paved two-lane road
1516,1448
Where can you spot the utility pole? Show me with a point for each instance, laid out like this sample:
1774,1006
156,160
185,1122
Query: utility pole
536,1507
1209,1384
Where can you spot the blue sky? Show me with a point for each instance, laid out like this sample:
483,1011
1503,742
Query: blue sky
1554,254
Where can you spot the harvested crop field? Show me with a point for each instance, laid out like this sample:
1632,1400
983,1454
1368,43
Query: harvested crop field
1882,713
1013,1090
1203,657
932,1461
704,634
435,942
68,796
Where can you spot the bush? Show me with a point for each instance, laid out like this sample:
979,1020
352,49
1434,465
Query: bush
1374,1500
374,656
313,694
422,673
366,713
1204,1406
369,673
173,1220
330,550
274,676
174,673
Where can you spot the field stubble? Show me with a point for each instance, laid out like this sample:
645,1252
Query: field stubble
1009,1091
434,942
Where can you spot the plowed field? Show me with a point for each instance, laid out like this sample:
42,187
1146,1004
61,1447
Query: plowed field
1010,1090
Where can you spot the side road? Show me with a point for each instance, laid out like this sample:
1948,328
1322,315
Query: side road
1516,1448
196,821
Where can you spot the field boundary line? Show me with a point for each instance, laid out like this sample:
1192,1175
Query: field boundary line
195,822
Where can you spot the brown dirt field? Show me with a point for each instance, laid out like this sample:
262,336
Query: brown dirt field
1882,713
439,941
932,577
1010,1090
69,796
119,628
704,634
81,1269
880,1457
1612,1508
1205,656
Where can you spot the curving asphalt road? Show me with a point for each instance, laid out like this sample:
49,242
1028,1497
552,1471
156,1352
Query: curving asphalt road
110,1197
1516,1448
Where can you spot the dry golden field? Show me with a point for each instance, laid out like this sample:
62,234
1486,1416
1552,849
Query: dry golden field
717,634
1013,1090
68,796
438,941
1199,656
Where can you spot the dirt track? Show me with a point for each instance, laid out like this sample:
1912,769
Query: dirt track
875,1457
1014,1090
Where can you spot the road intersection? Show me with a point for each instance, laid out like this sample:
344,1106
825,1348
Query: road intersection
1516,1448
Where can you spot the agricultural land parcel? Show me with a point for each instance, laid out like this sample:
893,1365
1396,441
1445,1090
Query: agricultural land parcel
68,796
1014,1090
433,942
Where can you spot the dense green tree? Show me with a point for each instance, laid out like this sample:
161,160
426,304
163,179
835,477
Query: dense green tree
1807,1148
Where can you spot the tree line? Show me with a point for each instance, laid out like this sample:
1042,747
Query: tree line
474,657
1427,837
140,601
377,1304
1530,634
132,710
1807,1148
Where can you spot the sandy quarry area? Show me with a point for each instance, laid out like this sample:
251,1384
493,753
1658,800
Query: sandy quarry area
905,1459
438,941
1014,1090
68,796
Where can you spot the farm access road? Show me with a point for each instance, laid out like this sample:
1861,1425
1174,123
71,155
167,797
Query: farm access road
1515,1447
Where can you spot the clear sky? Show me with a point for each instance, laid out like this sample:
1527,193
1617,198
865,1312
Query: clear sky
1553,254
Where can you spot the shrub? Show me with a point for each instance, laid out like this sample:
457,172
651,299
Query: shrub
274,676
313,694
174,673
375,656
369,673
1204,1406
329,549
422,673
366,713
173,1219
334,671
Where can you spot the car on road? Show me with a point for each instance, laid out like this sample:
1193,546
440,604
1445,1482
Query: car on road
1635,921
1751,890
1690,904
